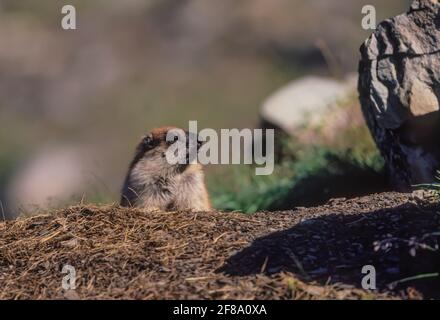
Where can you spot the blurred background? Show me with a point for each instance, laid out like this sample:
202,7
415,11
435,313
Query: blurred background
73,104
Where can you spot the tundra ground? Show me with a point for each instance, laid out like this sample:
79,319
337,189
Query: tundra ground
305,253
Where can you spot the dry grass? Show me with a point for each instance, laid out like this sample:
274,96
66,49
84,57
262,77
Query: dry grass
128,254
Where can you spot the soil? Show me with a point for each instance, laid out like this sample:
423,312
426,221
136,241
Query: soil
305,253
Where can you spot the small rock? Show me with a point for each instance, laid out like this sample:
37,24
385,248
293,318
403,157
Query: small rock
304,101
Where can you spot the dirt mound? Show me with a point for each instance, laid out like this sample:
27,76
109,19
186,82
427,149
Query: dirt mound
303,253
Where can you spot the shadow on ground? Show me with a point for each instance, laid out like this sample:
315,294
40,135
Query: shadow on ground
325,175
316,190
399,242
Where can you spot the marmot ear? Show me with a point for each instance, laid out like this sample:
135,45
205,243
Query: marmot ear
147,140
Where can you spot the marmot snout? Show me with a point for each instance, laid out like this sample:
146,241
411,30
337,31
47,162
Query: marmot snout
153,183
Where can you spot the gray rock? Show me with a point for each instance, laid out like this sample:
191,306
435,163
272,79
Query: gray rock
399,87
305,101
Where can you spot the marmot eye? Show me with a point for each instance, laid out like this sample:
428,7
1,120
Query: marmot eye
175,139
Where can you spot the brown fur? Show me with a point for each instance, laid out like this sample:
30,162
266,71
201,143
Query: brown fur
155,185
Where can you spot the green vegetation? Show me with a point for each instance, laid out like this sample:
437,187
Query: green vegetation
315,175
308,173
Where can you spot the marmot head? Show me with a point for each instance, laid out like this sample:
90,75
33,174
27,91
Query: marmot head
166,151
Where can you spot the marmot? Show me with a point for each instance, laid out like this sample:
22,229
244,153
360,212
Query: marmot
153,184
